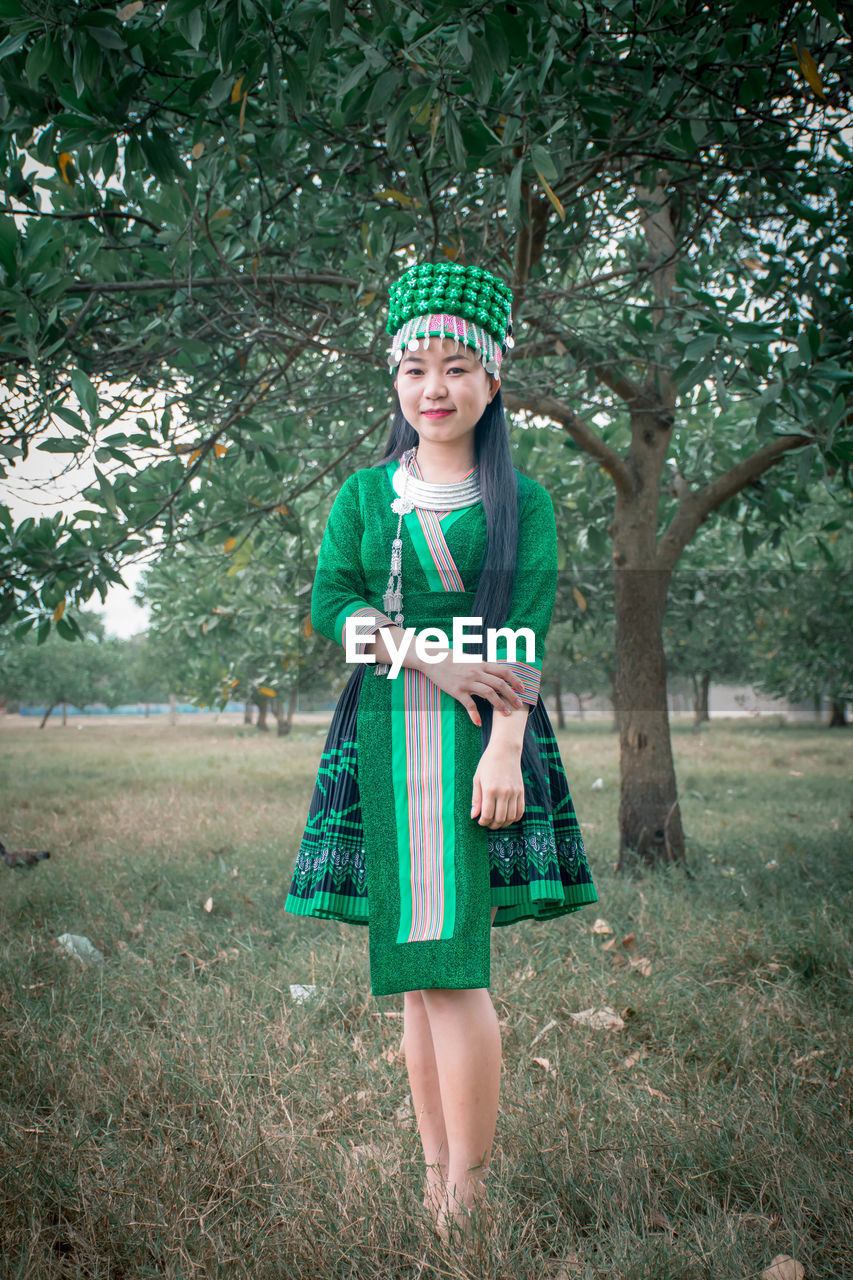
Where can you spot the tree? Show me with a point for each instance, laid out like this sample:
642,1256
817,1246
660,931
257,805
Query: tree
802,635
234,623
54,673
667,187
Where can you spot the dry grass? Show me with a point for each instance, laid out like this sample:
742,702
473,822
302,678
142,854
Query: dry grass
173,1113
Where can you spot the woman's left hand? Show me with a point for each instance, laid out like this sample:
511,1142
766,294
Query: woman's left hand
498,793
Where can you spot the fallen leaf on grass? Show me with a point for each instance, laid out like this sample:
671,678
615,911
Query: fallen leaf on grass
302,994
631,1060
601,926
604,1019
808,1057
545,1064
642,964
656,1093
404,1112
771,865
784,1268
629,942
549,1026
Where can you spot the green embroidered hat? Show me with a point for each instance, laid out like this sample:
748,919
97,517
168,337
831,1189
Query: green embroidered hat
447,300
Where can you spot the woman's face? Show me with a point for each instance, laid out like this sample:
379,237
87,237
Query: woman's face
443,391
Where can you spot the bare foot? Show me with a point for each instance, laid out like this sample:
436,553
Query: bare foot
463,1220
435,1190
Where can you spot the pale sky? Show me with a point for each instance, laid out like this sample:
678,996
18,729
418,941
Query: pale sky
33,489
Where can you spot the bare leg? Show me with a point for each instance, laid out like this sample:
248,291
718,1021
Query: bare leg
467,1045
426,1097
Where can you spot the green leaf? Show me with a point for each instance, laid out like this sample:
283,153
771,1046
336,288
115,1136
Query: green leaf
194,25
86,394
463,42
13,43
296,87
482,71
397,130
701,346
337,16
68,415
751,539
108,493
106,37
220,90
353,77
543,164
496,43
8,247
455,144
382,92
62,446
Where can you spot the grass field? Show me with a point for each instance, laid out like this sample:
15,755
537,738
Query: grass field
173,1112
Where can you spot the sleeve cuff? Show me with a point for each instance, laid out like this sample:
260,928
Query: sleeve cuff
365,613
531,678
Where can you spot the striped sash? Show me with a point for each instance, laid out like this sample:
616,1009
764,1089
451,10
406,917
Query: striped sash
423,753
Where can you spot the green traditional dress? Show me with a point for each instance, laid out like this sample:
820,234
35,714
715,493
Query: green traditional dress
389,840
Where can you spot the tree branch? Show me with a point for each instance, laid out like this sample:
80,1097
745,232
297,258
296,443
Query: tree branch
620,384
198,282
695,508
589,441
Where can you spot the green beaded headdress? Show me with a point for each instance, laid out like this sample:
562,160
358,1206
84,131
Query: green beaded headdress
447,300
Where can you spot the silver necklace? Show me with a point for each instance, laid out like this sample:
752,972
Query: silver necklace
411,493
430,496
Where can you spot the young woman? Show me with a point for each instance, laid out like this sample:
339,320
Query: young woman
441,806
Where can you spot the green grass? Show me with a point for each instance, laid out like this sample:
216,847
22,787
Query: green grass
173,1113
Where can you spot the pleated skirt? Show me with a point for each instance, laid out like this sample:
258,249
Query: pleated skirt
536,867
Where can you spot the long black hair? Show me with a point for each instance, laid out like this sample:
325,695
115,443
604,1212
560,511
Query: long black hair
499,493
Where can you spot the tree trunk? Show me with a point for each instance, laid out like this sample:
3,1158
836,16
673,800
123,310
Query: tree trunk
65,713
282,720
837,713
147,710
581,712
247,713
649,817
46,714
558,703
701,689
261,723
172,714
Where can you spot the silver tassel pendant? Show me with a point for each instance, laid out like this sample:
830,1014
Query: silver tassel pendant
392,600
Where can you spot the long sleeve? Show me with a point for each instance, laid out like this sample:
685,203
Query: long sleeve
339,586
535,585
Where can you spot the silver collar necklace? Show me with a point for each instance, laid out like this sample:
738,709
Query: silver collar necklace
413,492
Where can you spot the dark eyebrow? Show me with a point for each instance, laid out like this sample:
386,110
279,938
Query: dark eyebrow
413,355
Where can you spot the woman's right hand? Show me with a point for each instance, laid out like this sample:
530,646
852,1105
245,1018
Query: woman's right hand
496,682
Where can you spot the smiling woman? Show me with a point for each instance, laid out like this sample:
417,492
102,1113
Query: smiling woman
443,392
441,806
